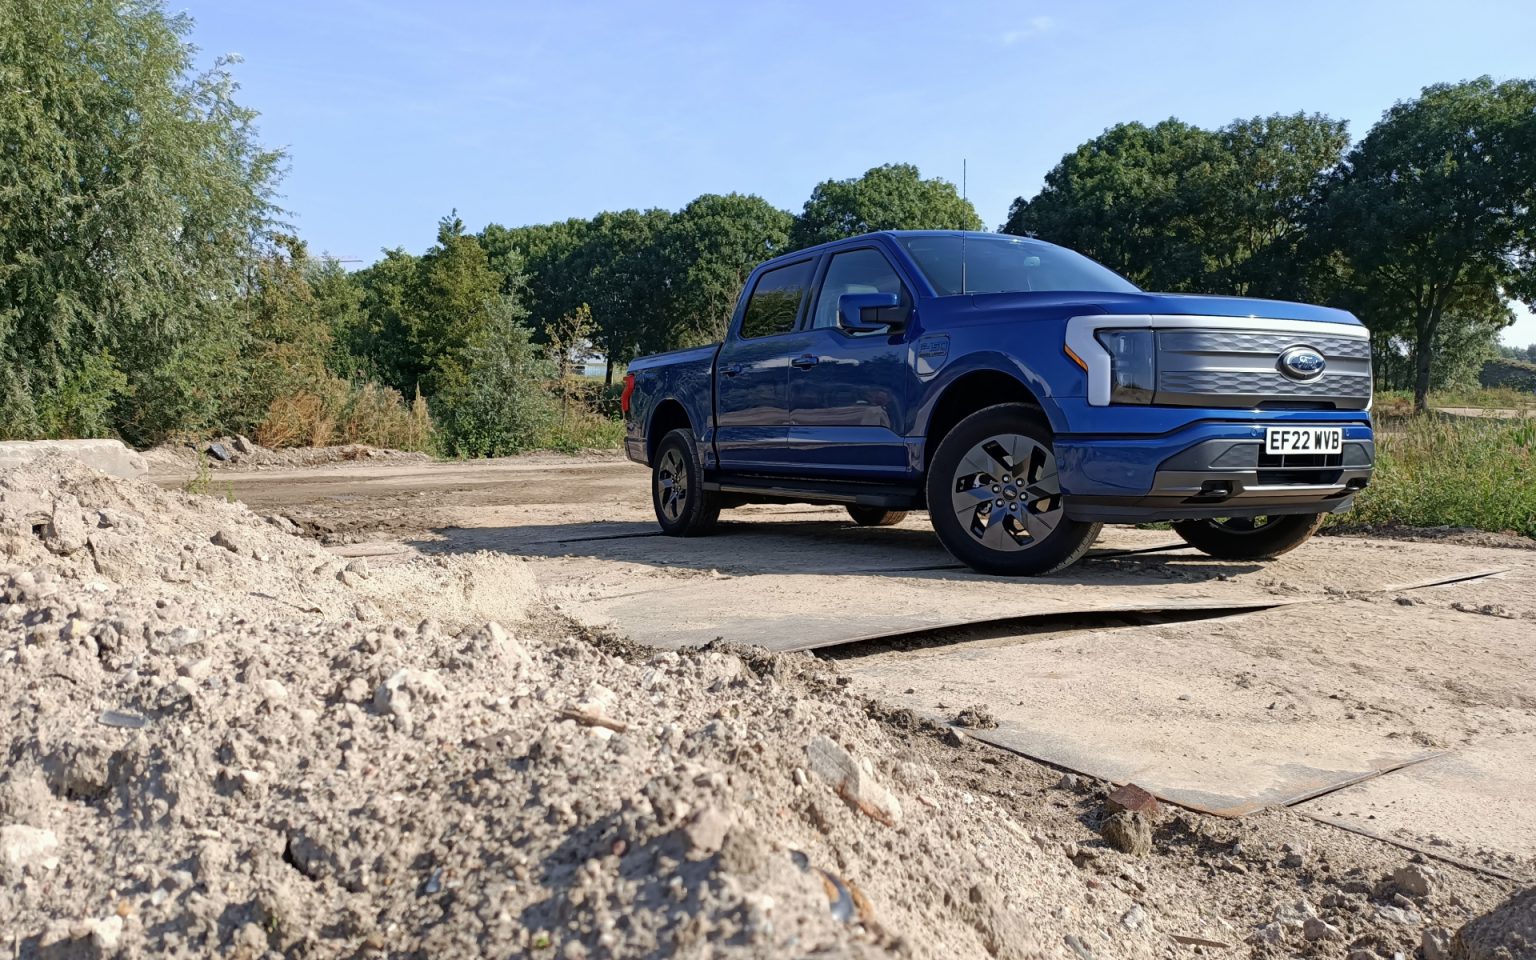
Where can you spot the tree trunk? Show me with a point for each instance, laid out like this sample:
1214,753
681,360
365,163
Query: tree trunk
608,373
1423,357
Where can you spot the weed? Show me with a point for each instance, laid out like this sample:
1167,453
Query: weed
200,481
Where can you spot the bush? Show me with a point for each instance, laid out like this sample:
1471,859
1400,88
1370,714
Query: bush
336,412
1436,471
502,403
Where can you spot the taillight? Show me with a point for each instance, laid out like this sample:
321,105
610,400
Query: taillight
629,389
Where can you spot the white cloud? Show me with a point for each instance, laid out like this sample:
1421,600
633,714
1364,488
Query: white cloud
1034,28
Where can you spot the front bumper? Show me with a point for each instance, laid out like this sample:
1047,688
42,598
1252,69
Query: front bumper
1208,470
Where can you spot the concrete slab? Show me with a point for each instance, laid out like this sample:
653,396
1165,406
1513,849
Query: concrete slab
108,456
1473,803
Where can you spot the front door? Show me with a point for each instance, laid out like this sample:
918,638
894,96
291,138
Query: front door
752,372
849,391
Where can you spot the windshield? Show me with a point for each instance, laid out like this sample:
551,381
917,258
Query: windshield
994,264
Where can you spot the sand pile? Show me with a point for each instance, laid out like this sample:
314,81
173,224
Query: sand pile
220,738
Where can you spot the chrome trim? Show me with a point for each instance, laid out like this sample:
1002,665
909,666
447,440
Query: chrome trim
1081,337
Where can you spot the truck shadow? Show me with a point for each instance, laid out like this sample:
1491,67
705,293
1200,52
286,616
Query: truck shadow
812,547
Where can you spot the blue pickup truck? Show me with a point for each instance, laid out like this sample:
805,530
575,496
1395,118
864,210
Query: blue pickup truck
1021,393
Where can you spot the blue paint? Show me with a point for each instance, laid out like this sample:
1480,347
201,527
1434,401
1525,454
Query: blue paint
834,402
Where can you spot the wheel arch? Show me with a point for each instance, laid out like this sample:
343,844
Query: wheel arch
669,415
975,390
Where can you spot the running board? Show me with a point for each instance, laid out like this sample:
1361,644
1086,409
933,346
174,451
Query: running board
787,490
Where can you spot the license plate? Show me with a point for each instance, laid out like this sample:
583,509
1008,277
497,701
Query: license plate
1313,440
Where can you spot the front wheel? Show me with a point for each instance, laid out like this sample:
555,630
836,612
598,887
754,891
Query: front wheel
683,507
995,499
1249,538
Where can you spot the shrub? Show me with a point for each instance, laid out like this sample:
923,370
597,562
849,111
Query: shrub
337,412
1436,471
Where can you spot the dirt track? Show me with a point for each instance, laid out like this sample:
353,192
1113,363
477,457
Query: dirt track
1294,677
223,738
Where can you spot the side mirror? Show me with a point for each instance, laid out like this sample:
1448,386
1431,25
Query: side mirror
870,313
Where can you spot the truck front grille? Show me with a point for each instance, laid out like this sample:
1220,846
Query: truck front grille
1240,369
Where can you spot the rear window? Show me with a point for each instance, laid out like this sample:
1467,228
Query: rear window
776,300
994,264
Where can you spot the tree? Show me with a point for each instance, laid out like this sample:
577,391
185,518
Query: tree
1433,217
537,265
135,197
618,269
707,252
891,197
1176,207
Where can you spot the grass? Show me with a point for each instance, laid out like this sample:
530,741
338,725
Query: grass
1399,403
1435,471
581,430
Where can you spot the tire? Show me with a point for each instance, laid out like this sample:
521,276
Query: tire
1249,538
875,516
1010,529
683,507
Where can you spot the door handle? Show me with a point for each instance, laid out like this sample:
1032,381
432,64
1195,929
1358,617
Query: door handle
731,369
805,361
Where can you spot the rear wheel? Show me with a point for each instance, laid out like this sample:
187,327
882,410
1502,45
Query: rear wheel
995,499
876,517
683,507
1249,538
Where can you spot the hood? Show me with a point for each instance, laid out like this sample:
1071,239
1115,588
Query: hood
1176,304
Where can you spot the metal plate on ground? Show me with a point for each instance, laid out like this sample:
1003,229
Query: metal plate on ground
808,611
1470,803
1208,715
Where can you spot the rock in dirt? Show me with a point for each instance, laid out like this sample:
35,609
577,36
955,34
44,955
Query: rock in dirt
850,781
218,452
1507,932
1128,832
1413,879
21,845
1435,943
976,717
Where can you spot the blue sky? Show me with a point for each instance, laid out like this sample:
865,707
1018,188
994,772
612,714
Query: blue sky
395,112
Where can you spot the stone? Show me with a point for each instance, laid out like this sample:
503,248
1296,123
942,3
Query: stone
1435,943
837,767
706,831
1506,931
225,539
218,452
1133,917
1413,879
1128,832
396,696
1316,928
243,444
273,691
21,845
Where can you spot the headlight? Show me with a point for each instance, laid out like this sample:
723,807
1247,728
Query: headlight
1133,365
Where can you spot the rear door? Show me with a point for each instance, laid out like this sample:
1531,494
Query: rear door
752,371
849,392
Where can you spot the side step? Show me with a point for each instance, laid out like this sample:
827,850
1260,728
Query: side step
792,490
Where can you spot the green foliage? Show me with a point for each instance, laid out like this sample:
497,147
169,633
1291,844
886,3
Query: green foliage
890,197
1444,471
502,405
81,405
1433,219
708,250
1509,374
1176,207
131,207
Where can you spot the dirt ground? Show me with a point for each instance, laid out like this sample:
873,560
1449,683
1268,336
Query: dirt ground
337,753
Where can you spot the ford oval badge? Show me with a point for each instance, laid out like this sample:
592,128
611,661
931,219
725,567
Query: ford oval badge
1302,363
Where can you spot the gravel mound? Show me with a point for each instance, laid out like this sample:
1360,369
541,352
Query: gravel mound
219,738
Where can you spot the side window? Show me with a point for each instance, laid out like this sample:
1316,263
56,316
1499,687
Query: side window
776,300
857,271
